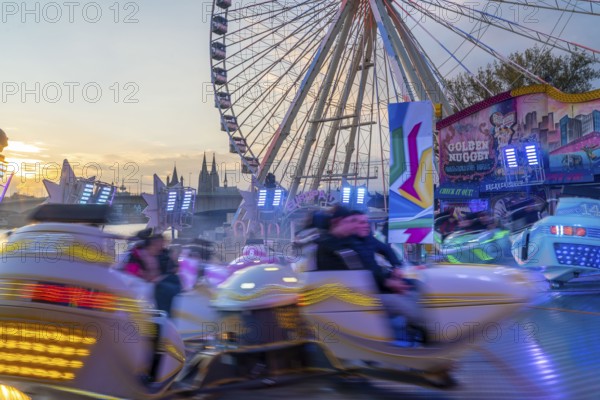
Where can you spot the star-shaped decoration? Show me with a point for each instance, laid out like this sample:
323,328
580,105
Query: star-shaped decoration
59,193
249,207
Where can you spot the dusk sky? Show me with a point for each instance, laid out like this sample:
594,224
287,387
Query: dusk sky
158,67
133,87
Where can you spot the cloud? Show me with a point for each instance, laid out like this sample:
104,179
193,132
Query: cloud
15,146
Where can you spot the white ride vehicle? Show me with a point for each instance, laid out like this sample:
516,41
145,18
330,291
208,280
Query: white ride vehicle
74,327
563,245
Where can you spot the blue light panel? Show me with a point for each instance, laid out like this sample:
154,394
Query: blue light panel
532,154
360,195
510,155
277,197
187,200
346,192
105,194
171,200
262,197
86,193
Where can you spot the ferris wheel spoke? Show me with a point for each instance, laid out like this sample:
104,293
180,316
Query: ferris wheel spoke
294,143
282,11
479,43
478,31
431,64
401,68
342,112
314,11
366,67
247,7
513,27
312,72
259,74
430,84
321,103
280,102
368,141
387,70
589,7
334,128
247,111
288,157
382,147
345,105
427,58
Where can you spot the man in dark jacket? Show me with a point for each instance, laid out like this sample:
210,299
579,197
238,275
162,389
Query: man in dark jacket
350,230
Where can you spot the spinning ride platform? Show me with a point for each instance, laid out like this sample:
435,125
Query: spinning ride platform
549,351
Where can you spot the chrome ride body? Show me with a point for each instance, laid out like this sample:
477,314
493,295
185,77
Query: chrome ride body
266,323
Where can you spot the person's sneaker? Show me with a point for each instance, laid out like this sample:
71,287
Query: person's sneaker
417,334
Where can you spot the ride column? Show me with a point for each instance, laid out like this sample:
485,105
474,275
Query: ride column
5,181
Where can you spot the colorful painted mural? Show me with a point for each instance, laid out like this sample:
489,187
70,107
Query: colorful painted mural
411,173
530,136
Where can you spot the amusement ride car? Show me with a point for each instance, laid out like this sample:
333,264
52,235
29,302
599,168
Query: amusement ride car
561,246
564,245
75,327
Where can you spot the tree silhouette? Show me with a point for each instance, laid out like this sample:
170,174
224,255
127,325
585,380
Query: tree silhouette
573,73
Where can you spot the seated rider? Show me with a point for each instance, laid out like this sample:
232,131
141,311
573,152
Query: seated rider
306,238
315,225
350,230
153,262
446,222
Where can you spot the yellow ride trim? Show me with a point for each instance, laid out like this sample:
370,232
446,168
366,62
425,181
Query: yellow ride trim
265,290
11,393
340,292
556,94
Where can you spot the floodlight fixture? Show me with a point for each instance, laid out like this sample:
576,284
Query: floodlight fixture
510,157
105,193
531,153
187,200
262,198
361,193
270,199
86,193
277,197
346,194
354,196
171,200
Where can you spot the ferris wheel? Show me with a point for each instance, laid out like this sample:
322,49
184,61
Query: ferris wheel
303,86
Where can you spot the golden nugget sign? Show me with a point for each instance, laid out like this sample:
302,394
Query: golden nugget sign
466,152
469,151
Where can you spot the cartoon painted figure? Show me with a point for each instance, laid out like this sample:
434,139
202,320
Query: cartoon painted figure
503,131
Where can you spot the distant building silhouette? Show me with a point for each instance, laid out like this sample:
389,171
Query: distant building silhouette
208,182
174,178
214,175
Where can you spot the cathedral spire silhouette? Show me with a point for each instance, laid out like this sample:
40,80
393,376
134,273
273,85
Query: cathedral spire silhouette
204,178
174,178
214,175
